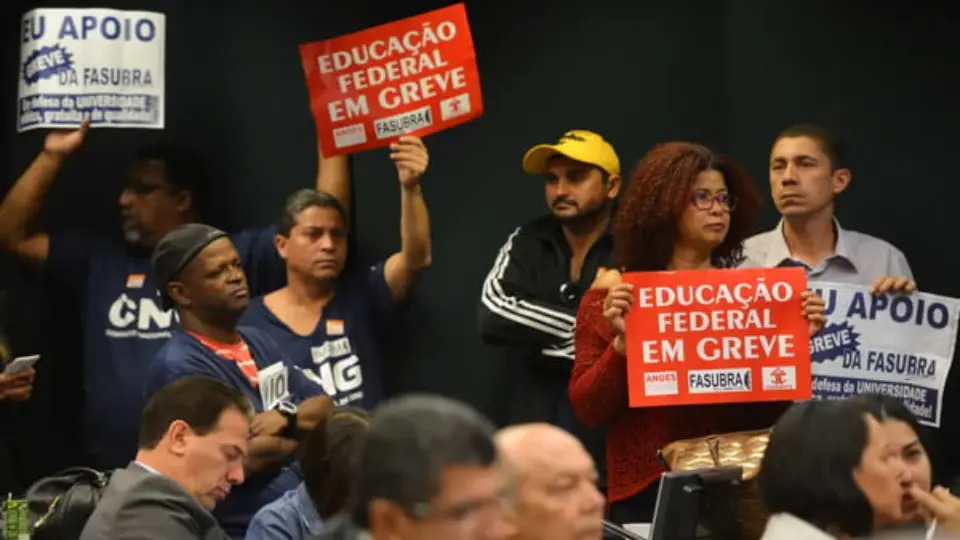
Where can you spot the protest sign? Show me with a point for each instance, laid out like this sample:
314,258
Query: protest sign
103,64
717,336
898,345
414,76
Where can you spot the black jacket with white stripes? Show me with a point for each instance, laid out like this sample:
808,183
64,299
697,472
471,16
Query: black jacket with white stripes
529,305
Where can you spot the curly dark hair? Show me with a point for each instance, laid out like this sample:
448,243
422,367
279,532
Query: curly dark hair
645,227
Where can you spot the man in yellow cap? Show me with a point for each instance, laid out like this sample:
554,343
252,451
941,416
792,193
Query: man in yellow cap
529,301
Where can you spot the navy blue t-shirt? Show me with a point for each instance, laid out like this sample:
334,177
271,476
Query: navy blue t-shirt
182,356
343,353
124,326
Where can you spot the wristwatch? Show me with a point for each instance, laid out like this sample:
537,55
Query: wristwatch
288,409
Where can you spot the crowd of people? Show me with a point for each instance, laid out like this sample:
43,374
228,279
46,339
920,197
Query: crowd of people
233,382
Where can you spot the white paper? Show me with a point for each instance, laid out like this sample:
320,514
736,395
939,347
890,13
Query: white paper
898,345
105,64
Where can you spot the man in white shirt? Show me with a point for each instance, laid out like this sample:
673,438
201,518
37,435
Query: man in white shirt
808,170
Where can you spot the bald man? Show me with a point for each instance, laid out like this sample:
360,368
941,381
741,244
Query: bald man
557,496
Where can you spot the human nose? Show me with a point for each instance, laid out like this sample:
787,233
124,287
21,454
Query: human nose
236,274
326,242
126,198
563,186
593,499
789,175
235,475
906,476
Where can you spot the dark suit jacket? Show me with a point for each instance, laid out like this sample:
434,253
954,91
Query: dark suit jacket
141,505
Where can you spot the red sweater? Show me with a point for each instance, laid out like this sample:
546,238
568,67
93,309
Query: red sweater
598,390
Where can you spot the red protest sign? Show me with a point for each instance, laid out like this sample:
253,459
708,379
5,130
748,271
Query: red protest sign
413,76
717,336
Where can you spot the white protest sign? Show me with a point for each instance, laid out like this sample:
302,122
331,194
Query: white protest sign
898,345
274,385
102,64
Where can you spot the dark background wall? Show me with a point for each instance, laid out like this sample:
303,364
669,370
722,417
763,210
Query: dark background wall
729,74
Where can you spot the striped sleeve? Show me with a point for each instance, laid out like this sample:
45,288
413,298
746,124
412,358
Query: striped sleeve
508,312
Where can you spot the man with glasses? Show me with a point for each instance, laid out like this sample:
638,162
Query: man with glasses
124,324
529,300
428,471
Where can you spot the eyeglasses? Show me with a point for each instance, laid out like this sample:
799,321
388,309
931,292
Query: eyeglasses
704,200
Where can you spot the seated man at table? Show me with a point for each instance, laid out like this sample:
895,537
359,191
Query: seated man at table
193,438
199,273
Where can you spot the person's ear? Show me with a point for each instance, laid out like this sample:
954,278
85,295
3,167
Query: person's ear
841,179
178,293
280,242
184,201
179,435
613,186
388,520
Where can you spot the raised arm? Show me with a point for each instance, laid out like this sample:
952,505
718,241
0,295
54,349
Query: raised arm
20,207
333,177
402,268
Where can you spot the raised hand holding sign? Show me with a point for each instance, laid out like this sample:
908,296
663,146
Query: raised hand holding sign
413,76
62,143
411,158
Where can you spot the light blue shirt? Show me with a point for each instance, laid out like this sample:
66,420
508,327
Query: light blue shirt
859,259
291,517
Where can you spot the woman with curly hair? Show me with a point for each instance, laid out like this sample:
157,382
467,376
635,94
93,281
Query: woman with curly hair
685,208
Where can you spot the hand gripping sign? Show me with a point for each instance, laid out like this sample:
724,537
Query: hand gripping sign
717,336
413,76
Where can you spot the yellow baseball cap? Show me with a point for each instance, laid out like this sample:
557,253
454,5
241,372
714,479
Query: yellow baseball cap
578,145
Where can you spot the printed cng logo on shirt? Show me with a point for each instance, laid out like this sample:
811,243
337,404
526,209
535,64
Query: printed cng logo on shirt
337,369
138,313
274,385
133,316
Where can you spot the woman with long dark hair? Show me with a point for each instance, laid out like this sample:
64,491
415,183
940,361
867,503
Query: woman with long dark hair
685,208
831,472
